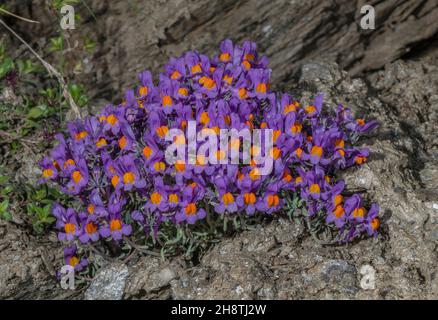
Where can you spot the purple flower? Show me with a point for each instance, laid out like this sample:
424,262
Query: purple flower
66,220
50,169
337,215
160,199
372,222
115,228
190,211
115,163
78,132
71,258
270,203
123,173
96,205
226,52
111,118
89,228
361,126
354,208
176,69
246,202
78,178
260,82
316,184
147,88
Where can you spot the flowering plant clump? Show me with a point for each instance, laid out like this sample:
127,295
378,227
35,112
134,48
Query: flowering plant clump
115,163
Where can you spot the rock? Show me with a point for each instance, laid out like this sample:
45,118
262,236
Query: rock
255,265
340,275
166,275
305,41
429,176
150,278
30,172
280,260
26,270
403,258
109,283
289,32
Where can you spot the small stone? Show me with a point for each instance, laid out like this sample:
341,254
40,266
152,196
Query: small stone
166,275
340,274
109,283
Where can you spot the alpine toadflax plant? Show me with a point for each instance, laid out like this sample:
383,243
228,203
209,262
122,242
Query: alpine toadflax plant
115,163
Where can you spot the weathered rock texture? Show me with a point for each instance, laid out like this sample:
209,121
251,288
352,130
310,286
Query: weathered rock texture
138,34
109,283
282,261
396,81
27,266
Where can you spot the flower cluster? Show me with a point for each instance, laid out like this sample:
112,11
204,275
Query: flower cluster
115,162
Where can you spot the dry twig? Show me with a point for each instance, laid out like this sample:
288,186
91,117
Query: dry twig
17,16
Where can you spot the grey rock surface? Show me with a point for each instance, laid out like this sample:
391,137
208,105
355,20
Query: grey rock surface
150,278
27,267
142,34
109,283
281,261
310,44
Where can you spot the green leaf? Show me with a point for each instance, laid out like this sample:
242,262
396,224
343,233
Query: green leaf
236,223
4,205
40,214
31,208
3,179
46,201
6,66
40,194
50,220
75,91
37,226
6,215
2,47
37,112
77,94
89,44
32,124
47,209
15,145
56,44
49,93
24,131
54,193
27,66
6,190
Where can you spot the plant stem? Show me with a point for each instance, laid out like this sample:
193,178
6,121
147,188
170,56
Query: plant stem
17,16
